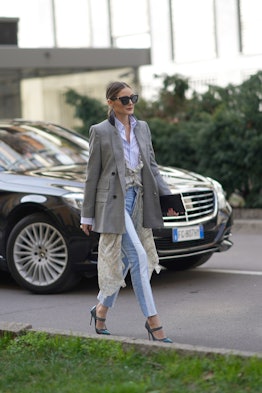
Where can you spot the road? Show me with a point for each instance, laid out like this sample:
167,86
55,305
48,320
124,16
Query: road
217,305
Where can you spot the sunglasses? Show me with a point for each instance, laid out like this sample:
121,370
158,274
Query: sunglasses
125,99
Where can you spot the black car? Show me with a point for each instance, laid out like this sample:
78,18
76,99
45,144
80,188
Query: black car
42,171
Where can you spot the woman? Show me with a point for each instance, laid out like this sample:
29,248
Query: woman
121,203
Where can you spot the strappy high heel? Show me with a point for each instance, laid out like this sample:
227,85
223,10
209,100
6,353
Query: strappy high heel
93,315
151,334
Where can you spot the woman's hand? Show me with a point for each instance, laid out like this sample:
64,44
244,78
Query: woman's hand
86,228
171,212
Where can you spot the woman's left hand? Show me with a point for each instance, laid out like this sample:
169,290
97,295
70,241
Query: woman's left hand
171,212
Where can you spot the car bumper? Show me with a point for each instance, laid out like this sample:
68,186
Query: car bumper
216,239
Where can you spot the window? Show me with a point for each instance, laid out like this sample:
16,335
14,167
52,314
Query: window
130,24
194,33
250,26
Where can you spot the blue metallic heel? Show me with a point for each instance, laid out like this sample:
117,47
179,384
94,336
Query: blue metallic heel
151,334
93,315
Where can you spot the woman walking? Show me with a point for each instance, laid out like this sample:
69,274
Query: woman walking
121,202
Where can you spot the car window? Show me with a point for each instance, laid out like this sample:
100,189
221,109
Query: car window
26,147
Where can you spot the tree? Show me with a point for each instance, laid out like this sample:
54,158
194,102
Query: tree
217,133
231,146
87,109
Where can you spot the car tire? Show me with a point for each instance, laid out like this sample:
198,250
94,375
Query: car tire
38,256
187,262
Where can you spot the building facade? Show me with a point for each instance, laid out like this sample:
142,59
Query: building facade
207,41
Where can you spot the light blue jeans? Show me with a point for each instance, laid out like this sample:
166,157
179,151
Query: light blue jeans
135,259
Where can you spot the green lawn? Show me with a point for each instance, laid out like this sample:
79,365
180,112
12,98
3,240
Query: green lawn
36,363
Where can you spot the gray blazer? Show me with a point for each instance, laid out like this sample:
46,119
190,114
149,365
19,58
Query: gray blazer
105,182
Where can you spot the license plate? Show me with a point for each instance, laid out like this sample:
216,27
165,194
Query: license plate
190,233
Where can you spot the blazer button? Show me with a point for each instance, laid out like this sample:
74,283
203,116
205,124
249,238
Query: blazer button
113,173
114,196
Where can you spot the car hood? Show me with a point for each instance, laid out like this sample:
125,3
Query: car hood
53,181
68,173
64,179
180,179
175,177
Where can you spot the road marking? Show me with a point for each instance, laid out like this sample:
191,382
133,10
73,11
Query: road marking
245,272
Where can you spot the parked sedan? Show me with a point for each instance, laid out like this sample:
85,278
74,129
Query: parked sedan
42,171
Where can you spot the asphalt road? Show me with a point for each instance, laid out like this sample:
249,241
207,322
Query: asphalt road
217,305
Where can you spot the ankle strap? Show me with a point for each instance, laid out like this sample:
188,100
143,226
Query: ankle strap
157,328
100,319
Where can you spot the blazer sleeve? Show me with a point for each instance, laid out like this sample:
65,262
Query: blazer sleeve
162,185
93,174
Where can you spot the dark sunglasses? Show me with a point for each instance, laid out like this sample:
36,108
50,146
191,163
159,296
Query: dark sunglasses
125,100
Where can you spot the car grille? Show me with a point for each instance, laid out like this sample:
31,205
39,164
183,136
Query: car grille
199,205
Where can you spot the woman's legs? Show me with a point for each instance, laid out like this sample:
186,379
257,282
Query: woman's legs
136,255
135,258
109,301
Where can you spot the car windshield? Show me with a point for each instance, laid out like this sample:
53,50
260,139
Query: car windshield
28,146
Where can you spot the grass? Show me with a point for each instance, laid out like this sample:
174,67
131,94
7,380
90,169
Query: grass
37,362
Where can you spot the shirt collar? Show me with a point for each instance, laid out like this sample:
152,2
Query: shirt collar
120,126
115,122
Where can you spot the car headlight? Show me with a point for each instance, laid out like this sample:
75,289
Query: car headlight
75,199
221,195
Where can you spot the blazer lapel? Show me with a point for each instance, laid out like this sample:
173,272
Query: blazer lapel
140,137
118,151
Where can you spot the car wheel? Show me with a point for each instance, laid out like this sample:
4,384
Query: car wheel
38,256
187,262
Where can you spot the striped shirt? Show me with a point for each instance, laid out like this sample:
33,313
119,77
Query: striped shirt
131,150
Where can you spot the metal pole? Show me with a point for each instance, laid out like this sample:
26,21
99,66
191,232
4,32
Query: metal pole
110,23
54,22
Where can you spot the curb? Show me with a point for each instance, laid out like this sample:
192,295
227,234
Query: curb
253,226
142,346
247,214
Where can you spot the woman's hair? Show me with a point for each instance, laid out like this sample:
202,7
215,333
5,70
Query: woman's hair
112,91
114,88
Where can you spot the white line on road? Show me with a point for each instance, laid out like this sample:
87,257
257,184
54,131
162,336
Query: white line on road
247,272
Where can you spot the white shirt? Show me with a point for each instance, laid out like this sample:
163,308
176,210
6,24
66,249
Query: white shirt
131,150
